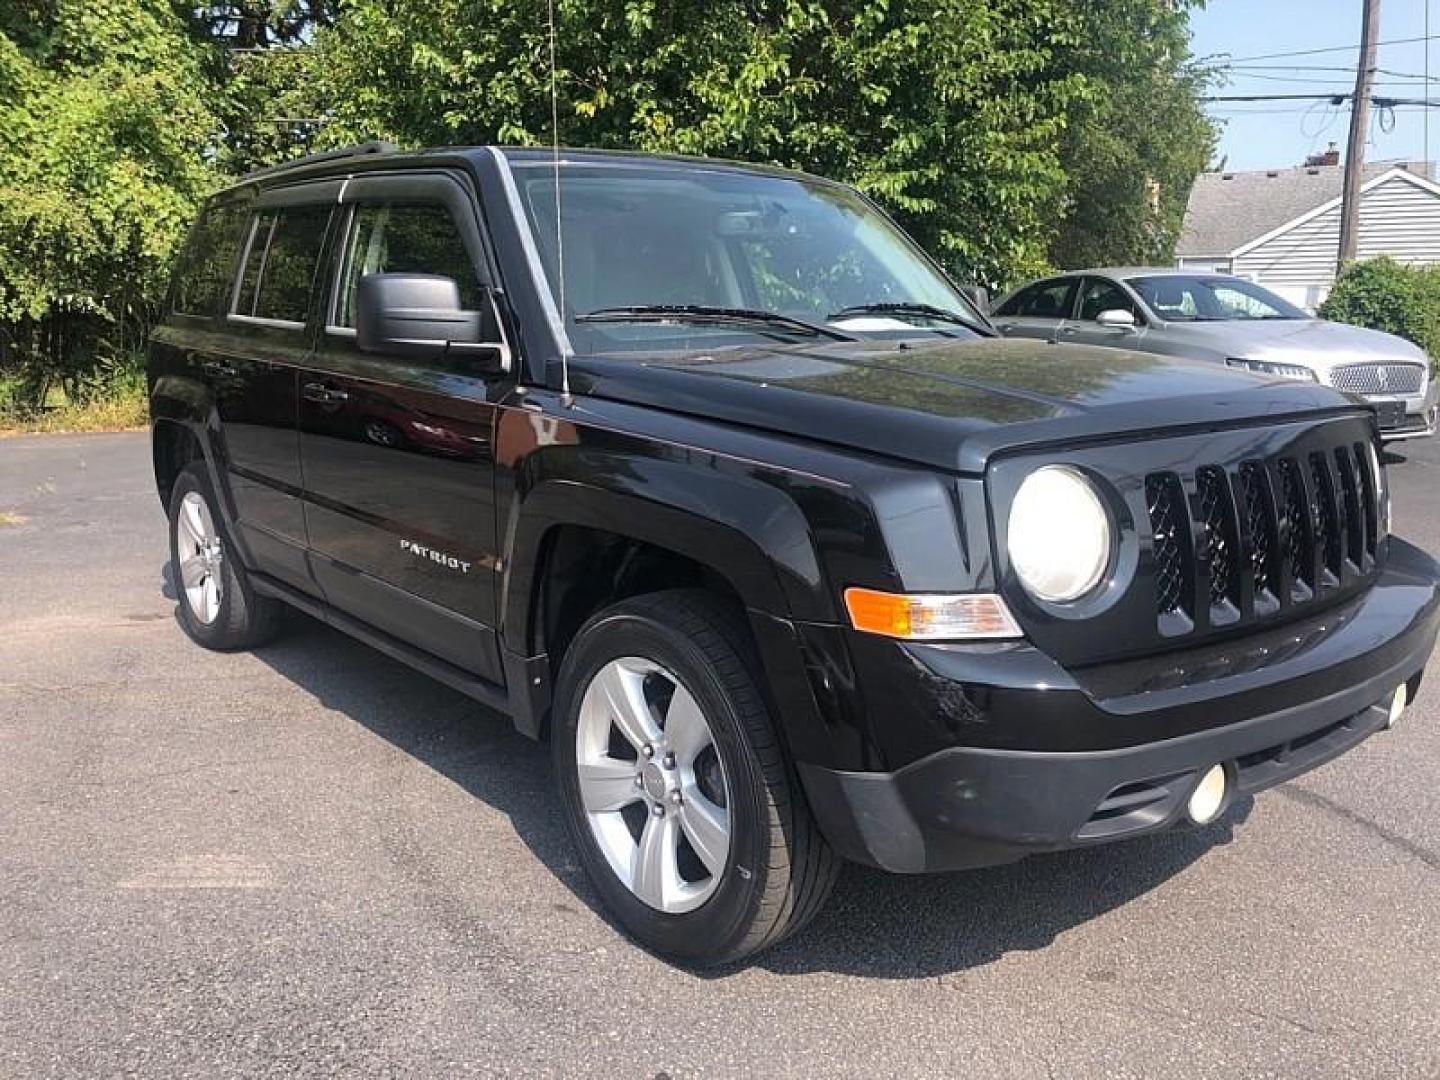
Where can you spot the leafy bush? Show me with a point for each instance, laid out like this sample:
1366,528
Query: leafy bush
112,399
1382,294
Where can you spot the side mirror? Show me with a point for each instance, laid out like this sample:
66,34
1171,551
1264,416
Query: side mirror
979,296
419,316
1116,319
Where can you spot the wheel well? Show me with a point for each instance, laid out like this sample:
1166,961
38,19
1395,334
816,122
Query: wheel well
174,446
586,569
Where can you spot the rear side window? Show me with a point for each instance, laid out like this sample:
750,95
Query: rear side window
1047,300
206,271
400,238
280,263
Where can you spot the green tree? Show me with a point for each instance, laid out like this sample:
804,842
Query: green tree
104,134
1136,139
948,111
1006,134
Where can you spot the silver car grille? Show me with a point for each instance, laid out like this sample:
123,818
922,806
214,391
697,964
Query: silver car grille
1379,378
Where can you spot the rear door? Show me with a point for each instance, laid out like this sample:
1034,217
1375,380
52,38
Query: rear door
1038,310
251,364
397,453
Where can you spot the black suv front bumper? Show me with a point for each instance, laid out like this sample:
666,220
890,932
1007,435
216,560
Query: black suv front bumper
1304,693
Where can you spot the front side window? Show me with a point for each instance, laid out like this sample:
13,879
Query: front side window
641,238
280,263
1211,298
399,238
1101,295
203,283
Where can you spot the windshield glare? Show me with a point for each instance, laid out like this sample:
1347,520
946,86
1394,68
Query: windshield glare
1211,297
637,236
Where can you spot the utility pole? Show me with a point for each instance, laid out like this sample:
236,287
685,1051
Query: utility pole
1359,127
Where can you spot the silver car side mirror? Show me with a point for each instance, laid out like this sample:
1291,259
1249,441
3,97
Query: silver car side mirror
1117,319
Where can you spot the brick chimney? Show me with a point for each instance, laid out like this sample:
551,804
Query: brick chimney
1330,156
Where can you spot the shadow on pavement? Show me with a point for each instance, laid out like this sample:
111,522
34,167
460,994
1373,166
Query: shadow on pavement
876,924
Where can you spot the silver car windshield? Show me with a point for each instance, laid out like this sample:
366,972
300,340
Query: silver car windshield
1211,298
667,257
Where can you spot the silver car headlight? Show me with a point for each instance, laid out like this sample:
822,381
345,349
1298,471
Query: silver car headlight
1059,534
1274,367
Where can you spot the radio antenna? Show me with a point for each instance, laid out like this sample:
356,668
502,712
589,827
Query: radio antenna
559,231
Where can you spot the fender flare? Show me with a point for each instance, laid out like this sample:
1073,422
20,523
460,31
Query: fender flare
190,404
747,531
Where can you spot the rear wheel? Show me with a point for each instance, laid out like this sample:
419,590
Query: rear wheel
688,817
218,609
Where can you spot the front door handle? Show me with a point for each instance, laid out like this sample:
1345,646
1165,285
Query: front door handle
324,395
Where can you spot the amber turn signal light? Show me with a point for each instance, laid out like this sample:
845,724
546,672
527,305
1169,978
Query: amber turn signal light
930,616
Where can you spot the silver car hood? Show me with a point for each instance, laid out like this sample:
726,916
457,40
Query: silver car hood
1314,343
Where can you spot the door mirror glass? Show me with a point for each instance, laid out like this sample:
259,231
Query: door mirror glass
1116,318
417,315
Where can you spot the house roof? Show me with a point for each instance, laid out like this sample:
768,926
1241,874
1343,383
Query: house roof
1228,210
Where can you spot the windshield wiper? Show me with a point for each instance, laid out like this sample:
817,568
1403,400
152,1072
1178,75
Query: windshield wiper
929,311
715,316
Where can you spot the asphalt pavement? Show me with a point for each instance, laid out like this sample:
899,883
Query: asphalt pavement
311,861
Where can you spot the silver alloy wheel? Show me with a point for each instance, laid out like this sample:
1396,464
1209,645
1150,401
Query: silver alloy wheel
197,543
672,793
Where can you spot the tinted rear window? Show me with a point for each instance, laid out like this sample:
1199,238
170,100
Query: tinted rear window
208,267
280,266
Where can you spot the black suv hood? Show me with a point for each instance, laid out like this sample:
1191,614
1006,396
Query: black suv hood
953,404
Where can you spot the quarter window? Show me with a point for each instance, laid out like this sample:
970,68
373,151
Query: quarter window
416,238
280,264
209,265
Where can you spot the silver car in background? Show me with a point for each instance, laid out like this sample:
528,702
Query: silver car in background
1229,320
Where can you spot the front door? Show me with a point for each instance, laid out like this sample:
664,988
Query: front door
397,453
1099,294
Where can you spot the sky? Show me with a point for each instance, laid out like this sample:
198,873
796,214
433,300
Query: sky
1276,134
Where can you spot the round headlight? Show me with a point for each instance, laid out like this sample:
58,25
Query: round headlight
1059,534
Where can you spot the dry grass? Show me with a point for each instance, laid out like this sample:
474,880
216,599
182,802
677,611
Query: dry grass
123,411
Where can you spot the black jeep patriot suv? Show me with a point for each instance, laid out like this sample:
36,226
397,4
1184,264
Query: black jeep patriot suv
705,473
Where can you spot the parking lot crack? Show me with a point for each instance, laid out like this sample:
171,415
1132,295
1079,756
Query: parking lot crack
1393,839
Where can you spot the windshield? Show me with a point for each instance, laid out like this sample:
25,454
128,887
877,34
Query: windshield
1211,298
637,236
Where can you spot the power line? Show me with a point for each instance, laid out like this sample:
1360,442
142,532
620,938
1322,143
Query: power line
1331,49
1246,68
1416,81
1334,99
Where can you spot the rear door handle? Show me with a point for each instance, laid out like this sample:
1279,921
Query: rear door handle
323,394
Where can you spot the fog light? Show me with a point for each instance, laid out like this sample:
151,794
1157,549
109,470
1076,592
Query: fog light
1208,797
1398,701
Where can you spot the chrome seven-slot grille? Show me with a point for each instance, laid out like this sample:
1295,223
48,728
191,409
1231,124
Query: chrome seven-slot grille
1261,535
1379,378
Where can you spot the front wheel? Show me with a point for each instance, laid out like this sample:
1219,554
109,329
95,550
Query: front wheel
687,815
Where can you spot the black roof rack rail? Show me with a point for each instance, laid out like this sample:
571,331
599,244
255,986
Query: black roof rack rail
374,146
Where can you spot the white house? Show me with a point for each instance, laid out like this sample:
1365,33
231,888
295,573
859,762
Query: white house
1281,227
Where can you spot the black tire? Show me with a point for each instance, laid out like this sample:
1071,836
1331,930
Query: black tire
244,620
779,869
